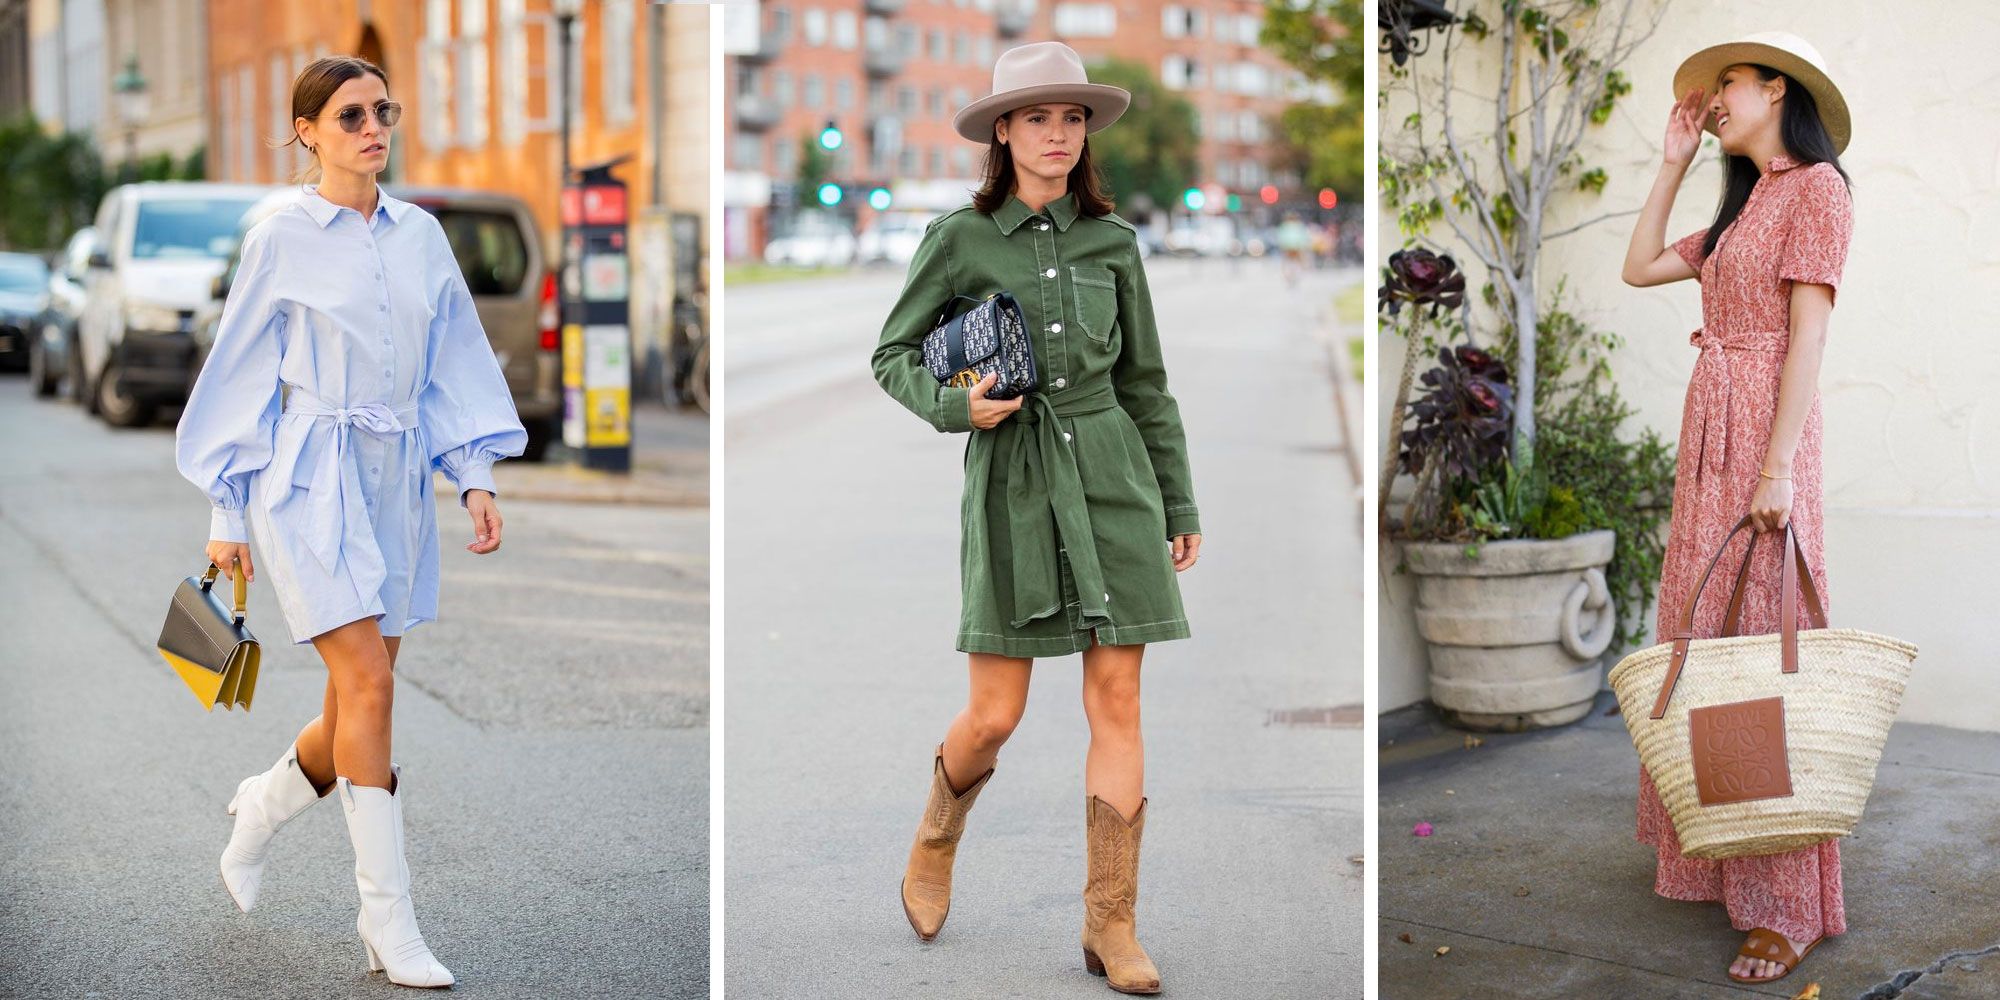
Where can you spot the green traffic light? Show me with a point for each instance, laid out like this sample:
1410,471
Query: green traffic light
830,137
1194,199
879,199
829,194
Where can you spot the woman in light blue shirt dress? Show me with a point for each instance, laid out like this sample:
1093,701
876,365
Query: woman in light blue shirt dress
348,364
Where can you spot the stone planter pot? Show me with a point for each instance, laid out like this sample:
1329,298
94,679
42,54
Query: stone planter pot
1514,633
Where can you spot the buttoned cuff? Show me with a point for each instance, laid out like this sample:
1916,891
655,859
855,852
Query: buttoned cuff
476,476
1183,519
954,409
227,526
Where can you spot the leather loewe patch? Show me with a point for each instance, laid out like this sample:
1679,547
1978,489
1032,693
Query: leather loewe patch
1739,751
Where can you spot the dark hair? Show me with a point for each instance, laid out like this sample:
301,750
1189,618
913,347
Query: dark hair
315,86
998,180
1805,139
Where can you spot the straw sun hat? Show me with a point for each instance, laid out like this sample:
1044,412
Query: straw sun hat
1781,50
1040,73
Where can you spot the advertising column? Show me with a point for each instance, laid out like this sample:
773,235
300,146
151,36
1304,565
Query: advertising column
597,334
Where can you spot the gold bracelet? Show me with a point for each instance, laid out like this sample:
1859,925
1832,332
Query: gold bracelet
1767,475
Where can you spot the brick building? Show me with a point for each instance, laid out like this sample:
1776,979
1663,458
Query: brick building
891,73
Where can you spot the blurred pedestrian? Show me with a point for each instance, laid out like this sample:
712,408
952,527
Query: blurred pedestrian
1293,241
348,364
1078,505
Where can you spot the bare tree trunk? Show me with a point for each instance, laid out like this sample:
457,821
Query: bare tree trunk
1396,421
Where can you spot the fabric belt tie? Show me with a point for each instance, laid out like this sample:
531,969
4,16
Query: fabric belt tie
335,505
1713,399
1042,480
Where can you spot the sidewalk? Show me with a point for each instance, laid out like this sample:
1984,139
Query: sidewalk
1535,883
669,467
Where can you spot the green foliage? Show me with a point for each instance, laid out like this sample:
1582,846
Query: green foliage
1324,39
1616,85
1599,479
1153,151
1592,180
815,166
49,184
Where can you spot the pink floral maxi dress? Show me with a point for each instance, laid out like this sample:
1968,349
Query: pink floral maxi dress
1794,228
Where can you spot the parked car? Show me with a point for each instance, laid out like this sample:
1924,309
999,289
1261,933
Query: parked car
160,246
54,361
499,252
814,239
893,239
24,296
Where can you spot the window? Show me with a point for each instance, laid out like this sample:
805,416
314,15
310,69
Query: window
906,101
843,94
785,160
934,102
937,48
961,48
513,75
814,22
812,92
985,45
936,162
621,33
749,150
781,25
470,87
845,31
1178,72
1086,20
781,89
878,97
1180,22
435,53
906,40
961,161
908,166
491,251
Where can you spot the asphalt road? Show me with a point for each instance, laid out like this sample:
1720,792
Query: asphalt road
842,522
552,728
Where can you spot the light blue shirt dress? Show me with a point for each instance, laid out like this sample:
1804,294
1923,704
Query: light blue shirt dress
348,363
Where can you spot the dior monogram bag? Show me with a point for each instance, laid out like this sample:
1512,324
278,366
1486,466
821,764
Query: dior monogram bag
1761,744
990,338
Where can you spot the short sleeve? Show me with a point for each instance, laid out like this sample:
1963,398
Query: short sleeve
1689,247
1822,223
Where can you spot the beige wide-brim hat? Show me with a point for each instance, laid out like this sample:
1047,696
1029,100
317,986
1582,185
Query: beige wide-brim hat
1783,51
1040,73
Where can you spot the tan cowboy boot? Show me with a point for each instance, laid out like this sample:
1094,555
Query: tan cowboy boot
1110,893
927,880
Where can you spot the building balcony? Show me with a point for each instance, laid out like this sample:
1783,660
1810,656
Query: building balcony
769,45
883,60
1013,19
755,113
884,7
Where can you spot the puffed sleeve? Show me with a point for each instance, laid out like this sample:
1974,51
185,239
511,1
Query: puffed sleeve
1822,221
899,356
1140,378
1689,247
227,430
466,411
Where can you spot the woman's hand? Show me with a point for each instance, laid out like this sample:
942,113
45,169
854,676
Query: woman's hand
1186,549
1771,505
227,554
1684,127
987,413
485,521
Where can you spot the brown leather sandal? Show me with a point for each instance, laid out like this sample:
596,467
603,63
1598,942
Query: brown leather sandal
1771,946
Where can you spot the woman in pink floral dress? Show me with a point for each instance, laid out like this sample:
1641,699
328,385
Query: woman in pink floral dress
1750,430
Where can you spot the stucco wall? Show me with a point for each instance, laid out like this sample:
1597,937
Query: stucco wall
1911,382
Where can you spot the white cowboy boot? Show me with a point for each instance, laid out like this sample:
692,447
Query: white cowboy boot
387,921
263,803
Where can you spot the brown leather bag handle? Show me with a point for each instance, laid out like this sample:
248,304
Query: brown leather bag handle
1793,575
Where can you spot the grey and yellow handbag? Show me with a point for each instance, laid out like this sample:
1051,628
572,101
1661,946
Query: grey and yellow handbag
206,642
990,338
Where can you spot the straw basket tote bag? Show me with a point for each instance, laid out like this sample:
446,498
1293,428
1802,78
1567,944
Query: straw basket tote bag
206,642
1761,744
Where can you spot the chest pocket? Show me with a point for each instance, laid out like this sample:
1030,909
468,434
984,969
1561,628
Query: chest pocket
1096,291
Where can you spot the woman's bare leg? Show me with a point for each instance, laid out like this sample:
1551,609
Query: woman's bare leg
359,666
998,696
315,741
1115,767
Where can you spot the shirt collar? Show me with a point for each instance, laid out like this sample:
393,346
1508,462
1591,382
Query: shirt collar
324,211
1010,216
1781,162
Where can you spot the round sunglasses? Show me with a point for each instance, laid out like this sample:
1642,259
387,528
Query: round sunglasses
352,116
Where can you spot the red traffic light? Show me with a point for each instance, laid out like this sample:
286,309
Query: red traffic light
1327,199
1268,193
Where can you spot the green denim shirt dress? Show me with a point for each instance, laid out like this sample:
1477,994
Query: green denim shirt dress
1069,503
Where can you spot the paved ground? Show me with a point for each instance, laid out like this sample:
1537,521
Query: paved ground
842,598
552,727
1534,881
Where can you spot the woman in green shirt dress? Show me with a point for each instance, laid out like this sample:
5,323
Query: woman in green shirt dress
1077,508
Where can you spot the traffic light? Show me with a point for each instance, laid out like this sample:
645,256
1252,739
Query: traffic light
1194,199
1327,199
880,199
829,194
1236,203
1268,194
830,137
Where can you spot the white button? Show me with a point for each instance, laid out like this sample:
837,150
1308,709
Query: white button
1055,327
1107,598
1044,227
1061,382
1050,273
1065,435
